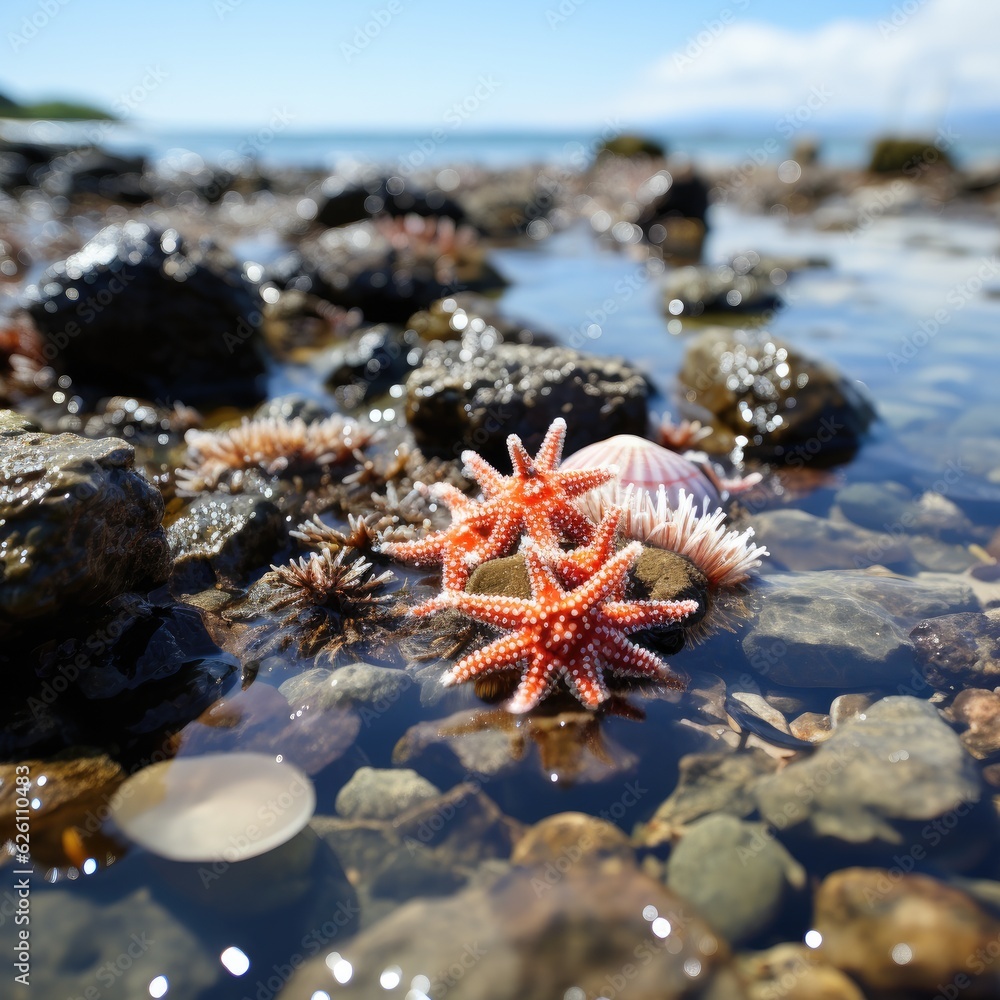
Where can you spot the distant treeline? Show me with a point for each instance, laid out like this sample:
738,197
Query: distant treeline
61,110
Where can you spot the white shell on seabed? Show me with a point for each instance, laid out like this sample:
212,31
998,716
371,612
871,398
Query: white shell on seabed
217,807
643,465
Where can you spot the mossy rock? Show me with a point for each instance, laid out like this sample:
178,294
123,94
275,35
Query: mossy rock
907,156
629,144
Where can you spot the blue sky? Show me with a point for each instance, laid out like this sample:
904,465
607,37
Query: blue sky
519,63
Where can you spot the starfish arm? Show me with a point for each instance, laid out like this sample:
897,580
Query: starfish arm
538,527
544,585
520,460
535,684
421,551
498,655
610,578
461,506
573,482
490,481
586,679
493,609
550,453
630,616
574,524
624,657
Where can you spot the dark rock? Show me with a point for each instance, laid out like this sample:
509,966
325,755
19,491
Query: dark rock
223,537
685,198
841,629
476,317
79,526
532,938
137,312
898,932
792,409
879,780
371,362
97,172
457,399
736,874
343,204
959,651
162,654
631,144
693,291
388,279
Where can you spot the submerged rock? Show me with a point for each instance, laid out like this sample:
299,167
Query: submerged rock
138,312
959,651
531,937
907,932
736,874
377,793
841,629
77,525
457,399
881,779
692,291
791,408
795,972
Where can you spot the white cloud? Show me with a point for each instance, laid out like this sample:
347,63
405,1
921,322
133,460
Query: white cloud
903,68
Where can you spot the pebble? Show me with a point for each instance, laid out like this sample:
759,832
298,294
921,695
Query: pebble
375,793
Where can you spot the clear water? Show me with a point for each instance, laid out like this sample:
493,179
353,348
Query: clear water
860,312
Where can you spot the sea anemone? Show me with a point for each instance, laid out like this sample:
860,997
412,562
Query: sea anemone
726,557
340,583
682,436
275,445
318,534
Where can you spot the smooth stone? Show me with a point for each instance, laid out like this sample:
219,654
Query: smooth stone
958,651
978,712
459,399
794,972
846,707
801,541
892,931
935,556
756,704
571,837
876,778
734,873
525,938
376,793
85,943
507,576
372,689
839,629
811,727
879,507
707,783
78,525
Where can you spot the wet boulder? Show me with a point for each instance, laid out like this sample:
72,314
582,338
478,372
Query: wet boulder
79,525
137,311
371,362
791,408
459,398
343,204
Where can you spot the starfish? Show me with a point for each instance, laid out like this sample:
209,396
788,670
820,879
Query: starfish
578,565
537,499
573,634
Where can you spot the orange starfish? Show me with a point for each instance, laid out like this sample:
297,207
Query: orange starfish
537,499
572,634
578,565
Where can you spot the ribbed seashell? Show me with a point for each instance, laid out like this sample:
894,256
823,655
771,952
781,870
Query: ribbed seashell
645,465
